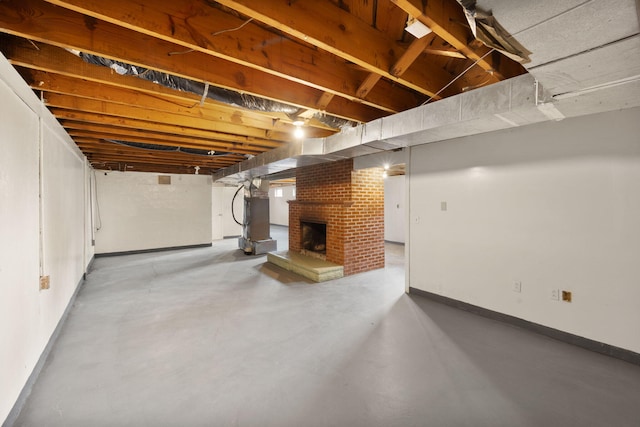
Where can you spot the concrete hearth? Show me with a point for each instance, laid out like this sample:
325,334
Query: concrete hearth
312,268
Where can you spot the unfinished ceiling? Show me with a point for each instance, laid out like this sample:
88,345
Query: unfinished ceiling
585,59
194,86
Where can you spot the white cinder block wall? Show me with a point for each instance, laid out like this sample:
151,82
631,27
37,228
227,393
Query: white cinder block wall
138,213
554,205
43,229
278,206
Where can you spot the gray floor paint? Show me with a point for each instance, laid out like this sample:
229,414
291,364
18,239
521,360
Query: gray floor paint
212,337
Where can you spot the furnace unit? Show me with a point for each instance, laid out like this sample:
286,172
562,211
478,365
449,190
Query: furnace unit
256,238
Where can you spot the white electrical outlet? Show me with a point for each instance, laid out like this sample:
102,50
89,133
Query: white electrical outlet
517,286
555,294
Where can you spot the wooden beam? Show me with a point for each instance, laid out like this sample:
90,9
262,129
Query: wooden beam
54,60
127,138
89,143
196,26
115,166
410,55
104,152
155,159
53,83
40,21
324,101
57,60
444,52
122,133
136,165
143,125
368,83
173,158
128,111
445,18
330,28
399,67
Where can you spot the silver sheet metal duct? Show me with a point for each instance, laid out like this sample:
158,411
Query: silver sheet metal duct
515,102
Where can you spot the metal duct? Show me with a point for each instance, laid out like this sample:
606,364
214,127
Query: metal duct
510,103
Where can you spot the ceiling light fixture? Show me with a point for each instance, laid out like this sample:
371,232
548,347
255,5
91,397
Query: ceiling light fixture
298,132
417,28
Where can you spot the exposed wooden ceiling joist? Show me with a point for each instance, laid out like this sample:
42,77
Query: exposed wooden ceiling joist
62,85
324,61
172,140
209,138
334,30
446,19
55,60
199,27
68,29
140,113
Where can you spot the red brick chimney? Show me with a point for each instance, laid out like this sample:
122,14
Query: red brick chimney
351,204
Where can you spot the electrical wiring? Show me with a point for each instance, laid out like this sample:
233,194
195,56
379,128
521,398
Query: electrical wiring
233,214
169,149
458,76
232,29
214,34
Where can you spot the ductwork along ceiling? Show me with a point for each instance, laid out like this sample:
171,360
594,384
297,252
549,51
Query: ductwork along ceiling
186,86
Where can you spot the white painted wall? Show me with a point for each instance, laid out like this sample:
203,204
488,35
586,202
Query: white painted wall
554,205
64,212
394,208
278,206
217,211
222,220
394,191
29,316
137,213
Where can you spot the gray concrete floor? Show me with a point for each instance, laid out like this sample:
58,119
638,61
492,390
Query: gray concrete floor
212,337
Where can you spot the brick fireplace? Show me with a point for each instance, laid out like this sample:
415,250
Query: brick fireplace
347,205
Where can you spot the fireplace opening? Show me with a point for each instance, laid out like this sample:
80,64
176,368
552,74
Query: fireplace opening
313,238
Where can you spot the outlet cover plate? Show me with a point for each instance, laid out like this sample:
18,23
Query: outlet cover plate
517,286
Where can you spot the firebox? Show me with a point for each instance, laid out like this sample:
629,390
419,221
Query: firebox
313,237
